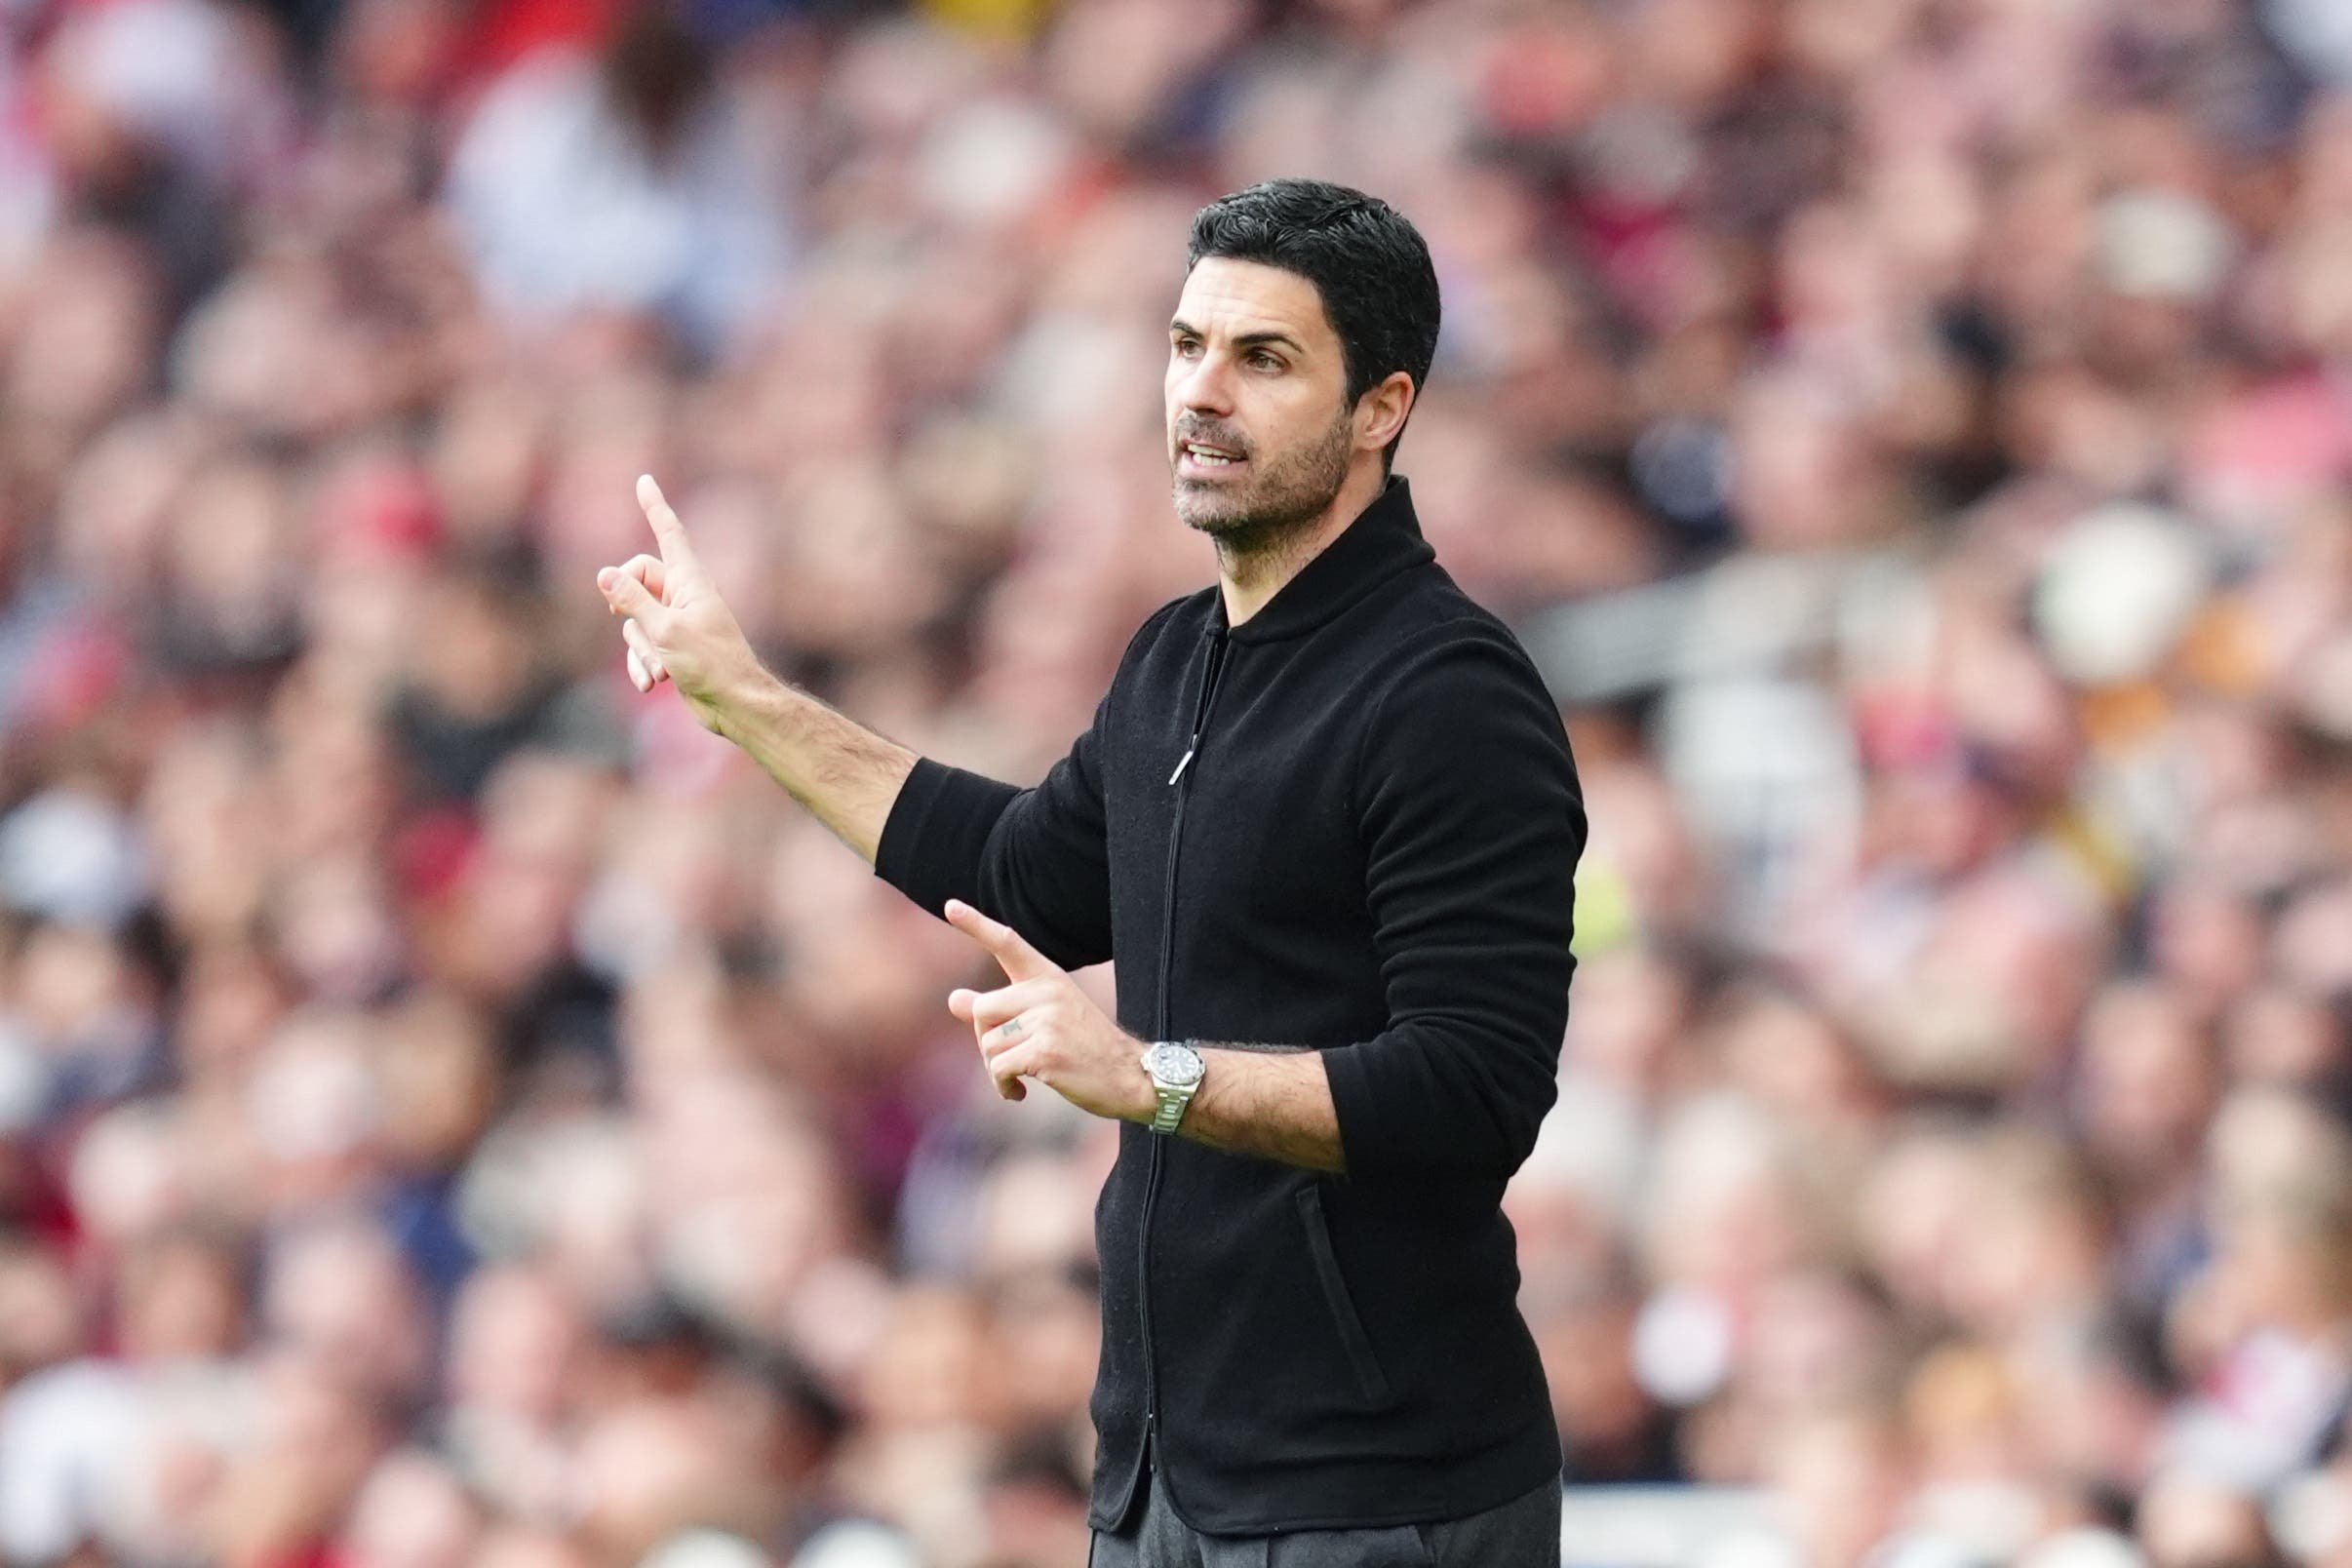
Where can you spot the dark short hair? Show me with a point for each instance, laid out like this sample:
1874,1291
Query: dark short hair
1368,262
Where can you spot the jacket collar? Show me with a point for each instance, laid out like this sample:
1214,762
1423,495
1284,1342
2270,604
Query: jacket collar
1383,540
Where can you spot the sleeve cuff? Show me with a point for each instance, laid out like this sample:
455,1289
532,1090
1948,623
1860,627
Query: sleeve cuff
1367,1141
932,841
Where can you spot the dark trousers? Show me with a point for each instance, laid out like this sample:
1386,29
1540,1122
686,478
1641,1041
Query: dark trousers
1523,1533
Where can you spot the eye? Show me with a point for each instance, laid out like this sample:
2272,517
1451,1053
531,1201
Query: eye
1261,360
1187,347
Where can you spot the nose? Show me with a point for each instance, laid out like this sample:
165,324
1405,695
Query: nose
1205,386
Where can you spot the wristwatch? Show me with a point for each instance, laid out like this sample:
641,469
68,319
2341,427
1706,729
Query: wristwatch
1176,1071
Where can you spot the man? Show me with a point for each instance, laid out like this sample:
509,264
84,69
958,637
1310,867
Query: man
1326,826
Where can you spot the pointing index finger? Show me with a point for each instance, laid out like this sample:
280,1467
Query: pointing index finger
668,531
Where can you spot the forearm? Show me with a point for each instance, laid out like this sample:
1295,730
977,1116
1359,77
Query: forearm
845,774
1271,1104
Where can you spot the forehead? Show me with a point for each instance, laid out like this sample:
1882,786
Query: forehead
1225,296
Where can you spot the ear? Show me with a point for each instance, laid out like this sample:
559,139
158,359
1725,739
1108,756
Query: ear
1380,414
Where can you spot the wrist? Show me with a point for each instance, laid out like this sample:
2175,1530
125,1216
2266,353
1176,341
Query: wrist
747,700
1143,1099
1175,1071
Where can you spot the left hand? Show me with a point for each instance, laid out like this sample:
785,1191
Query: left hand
1043,1026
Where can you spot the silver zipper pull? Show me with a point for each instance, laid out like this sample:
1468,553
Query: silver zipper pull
1182,763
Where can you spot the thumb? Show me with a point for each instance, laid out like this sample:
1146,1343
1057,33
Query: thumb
959,1002
625,594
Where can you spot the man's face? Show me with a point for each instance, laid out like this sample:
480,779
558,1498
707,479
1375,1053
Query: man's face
1260,429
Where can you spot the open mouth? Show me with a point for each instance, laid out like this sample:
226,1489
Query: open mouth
1204,458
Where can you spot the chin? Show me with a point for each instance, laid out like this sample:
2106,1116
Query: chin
1209,514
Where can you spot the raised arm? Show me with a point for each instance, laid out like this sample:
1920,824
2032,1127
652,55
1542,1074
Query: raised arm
678,629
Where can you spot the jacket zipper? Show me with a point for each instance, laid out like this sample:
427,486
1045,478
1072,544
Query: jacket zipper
1167,948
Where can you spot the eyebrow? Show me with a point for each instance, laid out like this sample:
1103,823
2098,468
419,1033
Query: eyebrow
1243,339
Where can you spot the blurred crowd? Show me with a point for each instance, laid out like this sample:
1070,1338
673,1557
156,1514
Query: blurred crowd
454,1113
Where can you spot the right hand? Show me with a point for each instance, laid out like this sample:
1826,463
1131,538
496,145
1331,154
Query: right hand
677,626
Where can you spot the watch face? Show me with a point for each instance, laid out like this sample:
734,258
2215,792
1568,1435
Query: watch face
1178,1066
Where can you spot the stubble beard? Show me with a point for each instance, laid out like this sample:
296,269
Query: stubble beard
1277,504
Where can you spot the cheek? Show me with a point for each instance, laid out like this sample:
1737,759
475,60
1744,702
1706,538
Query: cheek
1291,417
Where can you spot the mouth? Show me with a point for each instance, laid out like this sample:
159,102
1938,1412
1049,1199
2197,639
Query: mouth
1200,458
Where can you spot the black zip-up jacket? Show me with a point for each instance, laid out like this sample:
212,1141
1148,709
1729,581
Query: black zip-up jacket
1370,852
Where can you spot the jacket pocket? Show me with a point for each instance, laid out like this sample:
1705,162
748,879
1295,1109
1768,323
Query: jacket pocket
1351,1333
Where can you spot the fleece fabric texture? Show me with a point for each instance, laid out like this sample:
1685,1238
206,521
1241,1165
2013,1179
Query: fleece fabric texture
1371,855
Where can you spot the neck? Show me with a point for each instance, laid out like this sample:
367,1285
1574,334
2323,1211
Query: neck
1251,574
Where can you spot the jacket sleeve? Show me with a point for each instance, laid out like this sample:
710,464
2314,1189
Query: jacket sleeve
1035,858
1473,823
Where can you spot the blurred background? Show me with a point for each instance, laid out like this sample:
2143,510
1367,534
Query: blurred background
455,1113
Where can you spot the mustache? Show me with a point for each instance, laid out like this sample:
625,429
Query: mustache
1211,434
